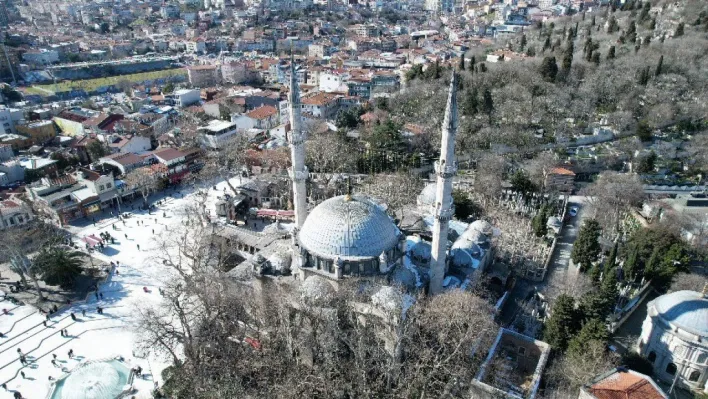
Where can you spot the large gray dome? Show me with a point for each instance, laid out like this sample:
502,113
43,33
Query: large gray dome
350,229
687,310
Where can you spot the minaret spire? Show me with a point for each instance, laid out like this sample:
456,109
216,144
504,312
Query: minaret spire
296,139
443,209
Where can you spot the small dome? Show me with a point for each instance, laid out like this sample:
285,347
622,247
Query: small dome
427,196
316,288
348,228
483,227
687,310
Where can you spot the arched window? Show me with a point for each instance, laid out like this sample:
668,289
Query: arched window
671,368
695,376
652,356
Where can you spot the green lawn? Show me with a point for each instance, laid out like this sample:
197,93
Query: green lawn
93,84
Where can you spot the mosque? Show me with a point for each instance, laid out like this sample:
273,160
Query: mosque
352,236
675,338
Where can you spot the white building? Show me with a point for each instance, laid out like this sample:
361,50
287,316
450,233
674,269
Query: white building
14,212
41,57
6,152
675,338
330,82
186,97
217,132
440,6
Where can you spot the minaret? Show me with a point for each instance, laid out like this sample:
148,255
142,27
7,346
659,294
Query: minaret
445,169
296,139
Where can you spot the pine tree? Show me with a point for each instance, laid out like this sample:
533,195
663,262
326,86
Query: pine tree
592,330
611,53
563,323
586,247
679,30
659,65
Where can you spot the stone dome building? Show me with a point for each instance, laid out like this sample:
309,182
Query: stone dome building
348,236
675,338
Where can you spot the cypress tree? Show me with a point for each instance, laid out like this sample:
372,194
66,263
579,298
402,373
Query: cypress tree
659,65
471,105
547,43
592,21
568,57
612,25
523,42
549,68
462,62
487,104
652,24
586,247
563,323
631,265
679,30
596,58
611,53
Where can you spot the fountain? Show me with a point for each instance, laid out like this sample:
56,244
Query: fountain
102,379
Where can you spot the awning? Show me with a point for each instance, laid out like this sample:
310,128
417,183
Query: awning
275,213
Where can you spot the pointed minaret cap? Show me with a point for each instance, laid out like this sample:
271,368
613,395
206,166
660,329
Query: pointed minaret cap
451,109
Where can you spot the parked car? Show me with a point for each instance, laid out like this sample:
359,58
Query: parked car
573,211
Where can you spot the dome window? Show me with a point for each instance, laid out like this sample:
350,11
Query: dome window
652,356
695,376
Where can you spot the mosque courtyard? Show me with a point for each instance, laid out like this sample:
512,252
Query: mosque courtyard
92,336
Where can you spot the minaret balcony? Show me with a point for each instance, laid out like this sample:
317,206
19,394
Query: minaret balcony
446,171
297,175
444,214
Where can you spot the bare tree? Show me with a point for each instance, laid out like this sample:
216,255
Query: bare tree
574,369
396,191
20,243
489,175
228,161
611,195
145,180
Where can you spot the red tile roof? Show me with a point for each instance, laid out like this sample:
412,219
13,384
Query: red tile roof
562,171
168,154
625,385
263,112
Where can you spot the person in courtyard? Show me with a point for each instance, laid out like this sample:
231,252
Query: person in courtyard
4,386
71,353
22,373
138,247
83,312
73,316
61,332
54,355
101,295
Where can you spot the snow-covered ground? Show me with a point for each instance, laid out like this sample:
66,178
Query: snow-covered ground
98,336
